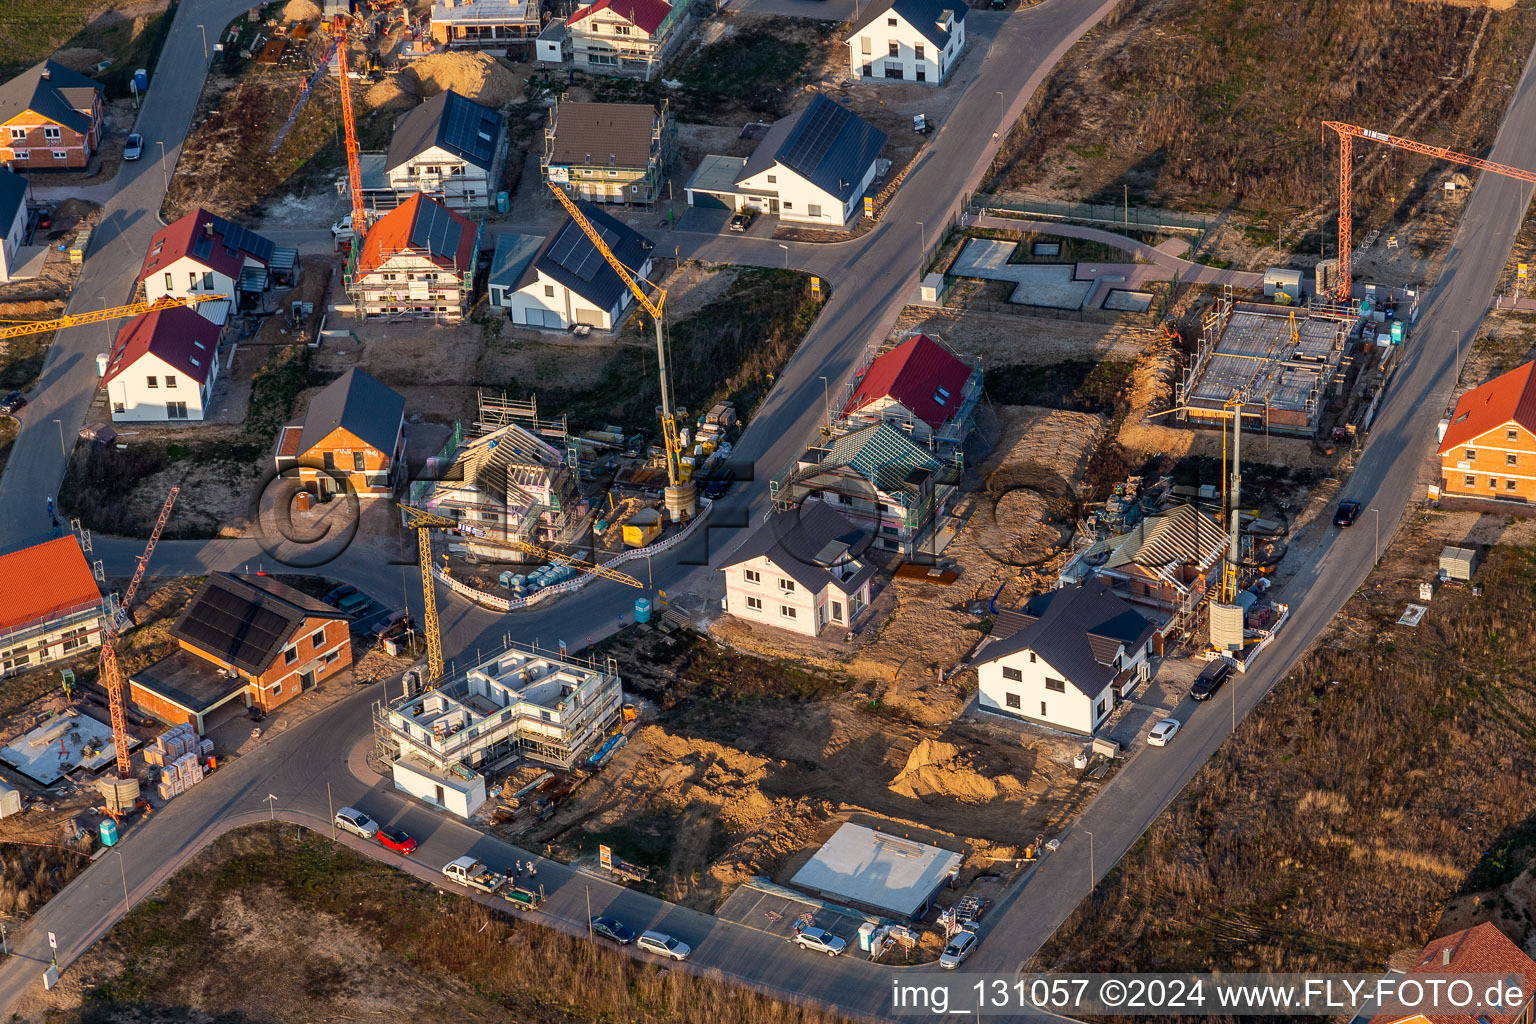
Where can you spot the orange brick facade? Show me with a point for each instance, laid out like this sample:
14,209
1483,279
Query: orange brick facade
321,648
1499,463
31,142
343,452
156,706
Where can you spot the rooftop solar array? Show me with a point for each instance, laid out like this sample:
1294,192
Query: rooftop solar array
831,147
436,230
235,628
470,129
574,251
236,240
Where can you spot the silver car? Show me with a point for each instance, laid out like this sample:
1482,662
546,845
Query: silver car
356,822
820,940
663,945
134,147
960,947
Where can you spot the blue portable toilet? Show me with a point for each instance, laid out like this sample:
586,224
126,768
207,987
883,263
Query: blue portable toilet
503,202
141,80
642,609
1397,332
109,833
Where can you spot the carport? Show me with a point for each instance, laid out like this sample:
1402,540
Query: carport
713,185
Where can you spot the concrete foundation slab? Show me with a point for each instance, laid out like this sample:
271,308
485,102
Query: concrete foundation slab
1128,301
61,745
1049,285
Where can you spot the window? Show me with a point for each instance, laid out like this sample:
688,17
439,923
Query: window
59,154
1012,700
917,51
118,407
890,21
864,47
621,30
277,688
151,382
1469,480
357,462
329,459
192,279
168,284
787,586
21,133
921,74
837,611
318,640
1031,657
1511,435
175,410
21,154
51,133
1493,483
788,205
812,210
1055,685
1509,485
1103,707
549,291
170,380
892,530
752,576
207,280
333,657
1016,675
785,611
773,178
755,604
290,655
1042,709
1511,459
895,48
1471,454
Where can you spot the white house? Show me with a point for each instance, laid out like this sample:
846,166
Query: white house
568,282
609,36
801,571
907,40
163,366
418,259
919,387
812,168
13,220
449,148
201,254
1066,659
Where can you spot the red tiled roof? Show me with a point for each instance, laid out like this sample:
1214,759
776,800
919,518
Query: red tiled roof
180,336
912,374
177,239
1510,398
42,581
1481,949
644,14
422,226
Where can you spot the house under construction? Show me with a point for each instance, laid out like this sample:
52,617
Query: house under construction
1285,365
418,260
608,152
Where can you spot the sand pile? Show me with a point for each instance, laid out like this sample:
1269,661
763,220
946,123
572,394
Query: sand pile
477,76
938,769
300,10
80,58
390,94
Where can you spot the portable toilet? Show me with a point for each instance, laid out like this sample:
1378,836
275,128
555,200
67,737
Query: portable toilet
141,80
1397,332
101,363
867,936
10,800
109,833
642,609
503,202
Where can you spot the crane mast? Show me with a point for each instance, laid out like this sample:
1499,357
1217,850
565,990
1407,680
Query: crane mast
349,128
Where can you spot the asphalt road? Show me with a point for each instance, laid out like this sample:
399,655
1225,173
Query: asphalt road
64,390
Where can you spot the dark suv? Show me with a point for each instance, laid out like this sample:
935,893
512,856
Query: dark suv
1210,679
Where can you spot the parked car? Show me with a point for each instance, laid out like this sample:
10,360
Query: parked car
133,147
334,597
397,839
356,822
664,945
342,229
719,483
11,402
820,940
1162,732
1346,513
960,947
1210,679
743,220
610,929
394,622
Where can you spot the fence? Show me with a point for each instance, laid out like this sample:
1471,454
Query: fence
1099,213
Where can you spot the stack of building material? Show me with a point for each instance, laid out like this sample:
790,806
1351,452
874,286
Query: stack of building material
179,752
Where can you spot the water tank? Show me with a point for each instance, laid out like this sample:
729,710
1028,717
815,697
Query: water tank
642,609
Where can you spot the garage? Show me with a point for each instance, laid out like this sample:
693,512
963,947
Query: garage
713,185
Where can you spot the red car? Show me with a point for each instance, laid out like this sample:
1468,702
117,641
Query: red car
398,840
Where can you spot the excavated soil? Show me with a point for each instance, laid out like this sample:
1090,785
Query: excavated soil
300,10
478,76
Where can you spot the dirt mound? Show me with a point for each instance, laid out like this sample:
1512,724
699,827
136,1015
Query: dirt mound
79,58
390,94
300,10
477,76
939,769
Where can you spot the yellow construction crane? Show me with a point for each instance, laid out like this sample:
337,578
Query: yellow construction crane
680,497
424,521
24,327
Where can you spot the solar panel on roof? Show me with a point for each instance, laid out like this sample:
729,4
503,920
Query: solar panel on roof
436,231
813,137
470,129
202,245
574,251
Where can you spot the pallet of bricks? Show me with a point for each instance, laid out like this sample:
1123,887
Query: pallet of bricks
180,753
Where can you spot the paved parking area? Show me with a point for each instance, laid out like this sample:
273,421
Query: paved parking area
772,909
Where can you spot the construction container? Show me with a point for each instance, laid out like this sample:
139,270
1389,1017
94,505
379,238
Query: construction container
642,528
109,833
1458,564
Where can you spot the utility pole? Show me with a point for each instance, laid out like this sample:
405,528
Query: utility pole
1091,876
1127,194
826,400
1376,512
124,870
330,806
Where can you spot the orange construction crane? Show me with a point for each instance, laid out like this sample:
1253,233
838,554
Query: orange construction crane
1347,134
111,671
349,126
97,316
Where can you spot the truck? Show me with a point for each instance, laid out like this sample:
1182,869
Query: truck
470,872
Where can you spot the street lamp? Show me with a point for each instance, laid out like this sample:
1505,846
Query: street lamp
922,234
1090,862
271,807
165,175
124,870
1000,114
62,450
203,29
786,254
826,399
1377,513
1458,356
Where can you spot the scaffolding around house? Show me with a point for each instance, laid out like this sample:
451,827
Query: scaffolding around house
603,183
409,282
496,411
942,442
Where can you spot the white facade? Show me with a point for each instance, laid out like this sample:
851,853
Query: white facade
1023,684
150,389
891,48
455,790
452,180
780,191
757,591
187,277
547,303
15,234
409,283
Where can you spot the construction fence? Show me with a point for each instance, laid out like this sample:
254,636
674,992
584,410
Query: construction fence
1110,214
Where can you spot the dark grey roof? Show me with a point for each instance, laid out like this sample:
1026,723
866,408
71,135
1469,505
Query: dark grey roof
463,127
569,257
246,620
13,194
513,254
188,680
436,230
1077,630
922,15
804,542
826,144
358,403
603,134
52,97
